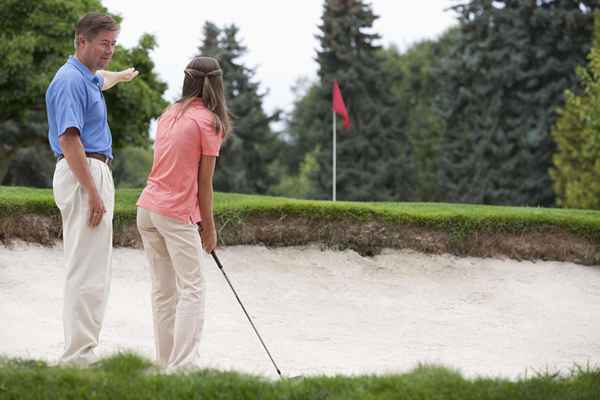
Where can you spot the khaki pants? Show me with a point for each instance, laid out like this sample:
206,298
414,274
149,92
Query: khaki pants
174,252
87,256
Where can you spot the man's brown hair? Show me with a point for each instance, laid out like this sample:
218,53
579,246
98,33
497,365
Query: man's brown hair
93,23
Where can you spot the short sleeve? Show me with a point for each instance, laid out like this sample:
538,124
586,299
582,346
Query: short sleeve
210,139
69,100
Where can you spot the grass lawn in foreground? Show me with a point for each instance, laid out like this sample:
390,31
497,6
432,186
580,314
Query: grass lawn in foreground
127,376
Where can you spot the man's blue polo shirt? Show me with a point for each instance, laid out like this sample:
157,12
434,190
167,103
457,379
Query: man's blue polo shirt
74,100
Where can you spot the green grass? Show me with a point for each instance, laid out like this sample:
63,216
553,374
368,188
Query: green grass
459,219
127,376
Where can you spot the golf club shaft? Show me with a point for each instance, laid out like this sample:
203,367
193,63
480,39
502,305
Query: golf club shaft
214,255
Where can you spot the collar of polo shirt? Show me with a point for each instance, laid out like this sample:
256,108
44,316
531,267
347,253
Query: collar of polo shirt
85,71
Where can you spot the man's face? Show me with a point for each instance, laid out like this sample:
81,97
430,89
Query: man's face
97,53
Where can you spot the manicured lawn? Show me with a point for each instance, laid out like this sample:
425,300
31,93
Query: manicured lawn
127,376
443,216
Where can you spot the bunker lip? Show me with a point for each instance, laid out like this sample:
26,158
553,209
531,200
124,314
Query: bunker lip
366,238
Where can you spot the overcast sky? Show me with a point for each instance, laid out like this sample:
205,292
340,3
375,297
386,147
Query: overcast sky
279,34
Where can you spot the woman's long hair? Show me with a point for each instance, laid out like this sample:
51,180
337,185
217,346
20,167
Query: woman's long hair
204,79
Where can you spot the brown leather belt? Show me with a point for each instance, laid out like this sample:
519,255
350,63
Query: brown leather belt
97,156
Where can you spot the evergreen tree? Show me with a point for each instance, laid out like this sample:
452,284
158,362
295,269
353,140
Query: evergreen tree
576,170
416,84
301,139
503,82
246,158
373,156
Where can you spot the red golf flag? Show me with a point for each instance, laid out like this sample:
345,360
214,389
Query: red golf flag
338,104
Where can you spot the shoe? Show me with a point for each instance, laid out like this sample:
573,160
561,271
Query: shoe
180,369
85,360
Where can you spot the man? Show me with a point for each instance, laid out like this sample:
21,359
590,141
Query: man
83,186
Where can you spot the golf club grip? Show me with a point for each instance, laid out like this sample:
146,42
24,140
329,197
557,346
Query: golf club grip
214,256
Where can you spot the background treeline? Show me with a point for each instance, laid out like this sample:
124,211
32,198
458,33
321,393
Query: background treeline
503,108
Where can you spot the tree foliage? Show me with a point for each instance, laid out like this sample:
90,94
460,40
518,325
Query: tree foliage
576,163
416,85
374,160
132,166
502,83
244,165
35,40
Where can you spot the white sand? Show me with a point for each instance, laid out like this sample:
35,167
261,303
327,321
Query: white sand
328,312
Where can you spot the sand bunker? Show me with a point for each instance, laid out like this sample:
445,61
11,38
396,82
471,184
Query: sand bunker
329,312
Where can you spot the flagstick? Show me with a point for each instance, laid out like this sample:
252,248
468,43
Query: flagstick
334,178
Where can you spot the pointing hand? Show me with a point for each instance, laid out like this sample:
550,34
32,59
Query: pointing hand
127,74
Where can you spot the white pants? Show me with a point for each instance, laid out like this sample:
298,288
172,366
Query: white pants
174,252
88,258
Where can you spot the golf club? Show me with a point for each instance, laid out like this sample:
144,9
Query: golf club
214,255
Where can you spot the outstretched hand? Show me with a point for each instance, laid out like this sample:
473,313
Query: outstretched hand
127,74
111,78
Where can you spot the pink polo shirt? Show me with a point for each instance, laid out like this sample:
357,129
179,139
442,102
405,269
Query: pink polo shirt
172,186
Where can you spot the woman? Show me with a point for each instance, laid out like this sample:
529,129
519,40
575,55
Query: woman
177,197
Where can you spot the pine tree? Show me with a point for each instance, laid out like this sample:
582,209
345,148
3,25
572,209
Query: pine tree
416,84
576,170
244,165
373,156
504,80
